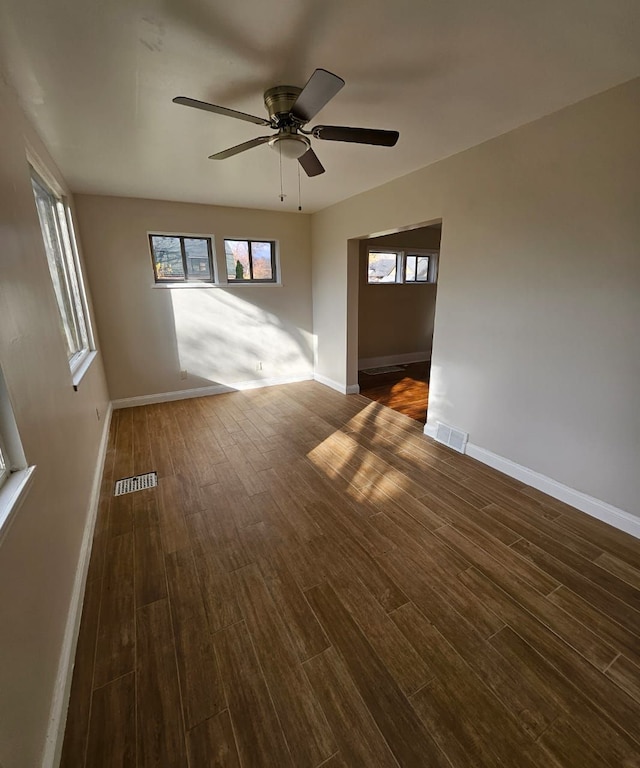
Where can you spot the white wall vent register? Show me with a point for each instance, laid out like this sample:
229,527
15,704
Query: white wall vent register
136,483
454,438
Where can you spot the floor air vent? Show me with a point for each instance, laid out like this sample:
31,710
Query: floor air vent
452,437
136,483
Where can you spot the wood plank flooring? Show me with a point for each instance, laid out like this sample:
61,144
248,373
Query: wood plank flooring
405,391
315,583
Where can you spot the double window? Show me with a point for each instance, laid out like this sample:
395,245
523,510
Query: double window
191,259
399,266
64,265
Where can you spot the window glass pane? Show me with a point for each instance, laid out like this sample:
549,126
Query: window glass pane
167,257
3,466
66,230
51,234
237,255
410,269
197,253
382,267
261,256
422,273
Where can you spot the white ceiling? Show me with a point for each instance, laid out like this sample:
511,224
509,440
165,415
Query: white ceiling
97,78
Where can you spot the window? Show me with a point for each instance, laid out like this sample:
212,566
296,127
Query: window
250,261
11,453
384,266
15,476
62,256
181,258
416,269
4,463
413,267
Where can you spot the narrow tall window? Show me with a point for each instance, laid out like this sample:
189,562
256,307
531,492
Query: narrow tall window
64,266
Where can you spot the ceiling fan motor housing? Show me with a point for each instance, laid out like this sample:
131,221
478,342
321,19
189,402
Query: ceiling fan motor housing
279,102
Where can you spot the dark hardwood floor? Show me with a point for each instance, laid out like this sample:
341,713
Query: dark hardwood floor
315,583
405,391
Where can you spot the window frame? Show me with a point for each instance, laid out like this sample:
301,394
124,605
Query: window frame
275,267
176,281
74,285
417,254
401,265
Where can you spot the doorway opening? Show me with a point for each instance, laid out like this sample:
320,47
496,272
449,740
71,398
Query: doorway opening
397,284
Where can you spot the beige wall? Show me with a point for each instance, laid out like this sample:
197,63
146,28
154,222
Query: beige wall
60,435
218,335
396,318
537,345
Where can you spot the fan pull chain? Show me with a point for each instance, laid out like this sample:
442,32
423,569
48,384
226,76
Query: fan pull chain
281,190
299,195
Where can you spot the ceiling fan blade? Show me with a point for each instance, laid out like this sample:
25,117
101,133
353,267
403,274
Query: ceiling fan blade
356,135
310,163
320,88
187,102
240,148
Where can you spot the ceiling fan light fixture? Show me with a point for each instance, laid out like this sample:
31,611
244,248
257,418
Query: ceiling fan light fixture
291,145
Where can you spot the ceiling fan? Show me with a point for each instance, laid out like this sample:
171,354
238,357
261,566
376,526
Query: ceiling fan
290,108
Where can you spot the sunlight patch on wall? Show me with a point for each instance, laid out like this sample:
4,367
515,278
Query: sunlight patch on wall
226,339
439,402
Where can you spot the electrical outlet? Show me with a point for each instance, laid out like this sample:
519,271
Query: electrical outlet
183,374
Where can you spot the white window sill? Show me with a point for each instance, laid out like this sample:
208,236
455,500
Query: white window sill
249,284
182,286
411,282
78,374
12,494
208,286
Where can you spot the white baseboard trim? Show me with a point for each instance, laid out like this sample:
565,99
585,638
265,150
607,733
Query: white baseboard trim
165,397
404,359
214,389
60,703
259,383
351,389
618,518
430,430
